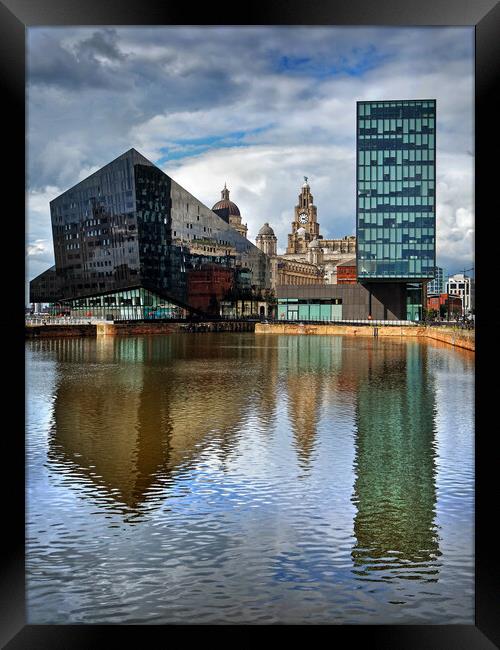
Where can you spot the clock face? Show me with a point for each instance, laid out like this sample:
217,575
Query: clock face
303,218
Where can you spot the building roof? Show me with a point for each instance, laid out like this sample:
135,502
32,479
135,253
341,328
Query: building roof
351,262
266,230
225,207
228,207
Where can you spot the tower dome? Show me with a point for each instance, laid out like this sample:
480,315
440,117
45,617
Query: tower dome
266,240
315,243
301,232
266,230
226,208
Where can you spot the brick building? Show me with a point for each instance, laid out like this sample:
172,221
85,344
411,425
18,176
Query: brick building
445,304
346,272
206,287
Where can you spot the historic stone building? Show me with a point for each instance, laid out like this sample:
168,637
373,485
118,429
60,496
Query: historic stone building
284,271
230,212
305,226
309,259
291,272
306,244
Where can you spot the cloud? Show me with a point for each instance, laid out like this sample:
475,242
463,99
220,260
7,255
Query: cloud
258,107
266,190
83,66
39,245
102,46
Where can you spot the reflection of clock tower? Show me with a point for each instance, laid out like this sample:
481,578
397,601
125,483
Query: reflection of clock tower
305,227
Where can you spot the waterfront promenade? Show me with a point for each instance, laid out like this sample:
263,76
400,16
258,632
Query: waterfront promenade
454,336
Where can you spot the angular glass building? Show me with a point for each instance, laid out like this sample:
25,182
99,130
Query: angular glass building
396,190
127,238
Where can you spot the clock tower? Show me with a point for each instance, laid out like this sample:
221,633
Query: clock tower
305,227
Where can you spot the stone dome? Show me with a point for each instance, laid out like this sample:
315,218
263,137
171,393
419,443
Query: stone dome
266,230
301,232
226,208
315,243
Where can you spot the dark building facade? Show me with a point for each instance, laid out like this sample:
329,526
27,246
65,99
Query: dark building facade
130,233
46,288
336,302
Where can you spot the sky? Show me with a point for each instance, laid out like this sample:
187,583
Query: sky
257,108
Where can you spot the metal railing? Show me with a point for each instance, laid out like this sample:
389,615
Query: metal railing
460,324
362,322
60,320
32,320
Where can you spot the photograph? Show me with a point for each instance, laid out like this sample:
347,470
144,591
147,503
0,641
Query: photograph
250,325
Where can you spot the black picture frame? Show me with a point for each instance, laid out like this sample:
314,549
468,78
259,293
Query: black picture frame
15,17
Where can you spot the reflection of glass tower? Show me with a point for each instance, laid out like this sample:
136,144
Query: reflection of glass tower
394,490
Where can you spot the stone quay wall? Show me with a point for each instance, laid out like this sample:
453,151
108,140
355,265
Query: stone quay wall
460,338
132,328
55,331
141,329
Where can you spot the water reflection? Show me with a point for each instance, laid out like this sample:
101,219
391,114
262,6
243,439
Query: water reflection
137,414
311,366
242,478
395,484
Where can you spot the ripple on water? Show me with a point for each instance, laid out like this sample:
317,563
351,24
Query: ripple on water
238,479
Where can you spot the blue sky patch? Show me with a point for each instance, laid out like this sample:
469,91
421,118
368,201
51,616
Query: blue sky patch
186,147
359,61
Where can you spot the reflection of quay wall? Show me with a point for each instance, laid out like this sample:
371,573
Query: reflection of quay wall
459,338
143,411
394,490
135,328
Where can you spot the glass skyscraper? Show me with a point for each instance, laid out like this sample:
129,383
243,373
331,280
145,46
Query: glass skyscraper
396,190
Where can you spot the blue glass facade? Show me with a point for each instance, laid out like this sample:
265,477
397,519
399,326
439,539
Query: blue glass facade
396,190
438,285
